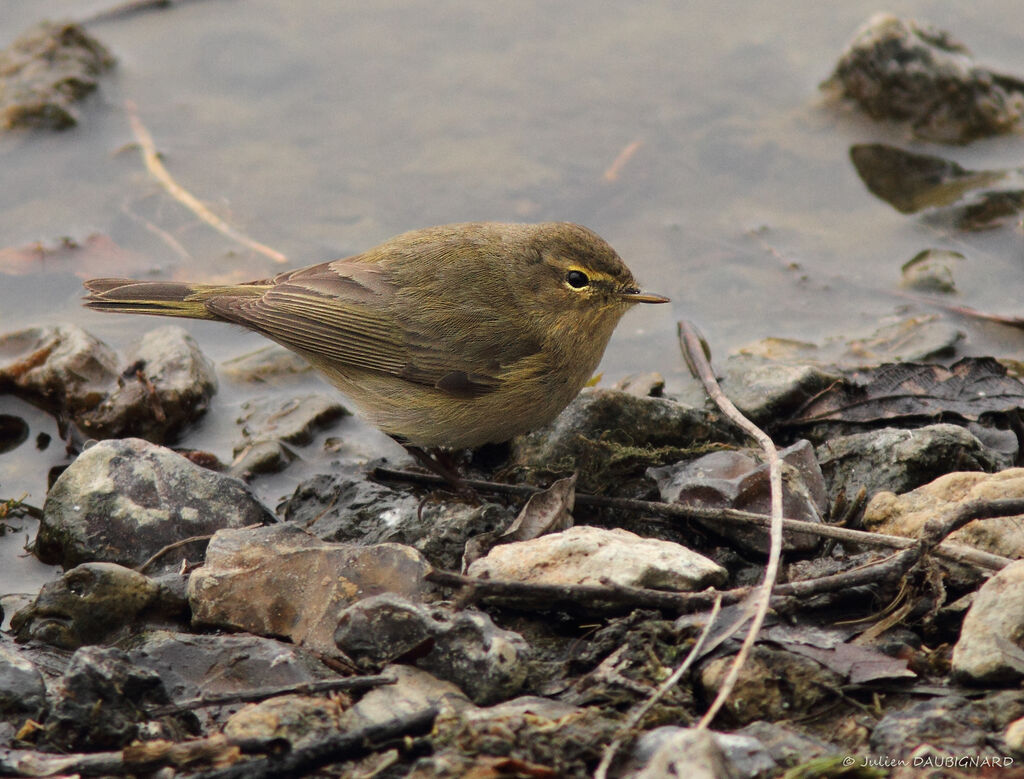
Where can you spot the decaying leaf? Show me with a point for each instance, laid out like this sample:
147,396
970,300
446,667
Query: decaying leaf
96,256
968,389
859,664
549,511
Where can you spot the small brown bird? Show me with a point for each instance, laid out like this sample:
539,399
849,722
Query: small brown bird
451,336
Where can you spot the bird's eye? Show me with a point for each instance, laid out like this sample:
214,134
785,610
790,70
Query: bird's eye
577,279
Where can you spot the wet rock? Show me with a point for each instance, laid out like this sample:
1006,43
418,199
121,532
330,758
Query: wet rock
990,648
384,628
270,425
487,662
165,384
906,514
193,665
814,367
271,364
911,182
738,479
590,555
44,71
675,751
643,385
1014,736
772,685
931,270
537,739
124,500
414,691
99,703
463,647
348,507
282,581
786,745
609,436
902,70
899,460
300,720
769,391
938,726
22,690
61,367
96,603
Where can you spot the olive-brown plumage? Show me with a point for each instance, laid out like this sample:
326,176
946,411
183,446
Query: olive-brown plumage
453,336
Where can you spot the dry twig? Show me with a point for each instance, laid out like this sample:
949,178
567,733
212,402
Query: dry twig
693,350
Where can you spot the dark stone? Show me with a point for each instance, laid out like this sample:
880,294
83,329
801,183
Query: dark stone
124,500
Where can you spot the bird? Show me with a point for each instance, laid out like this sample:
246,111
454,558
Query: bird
445,338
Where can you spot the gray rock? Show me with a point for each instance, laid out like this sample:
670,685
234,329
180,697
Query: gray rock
902,70
22,690
607,436
931,270
271,364
167,384
671,751
899,460
103,680
271,425
282,581
96,603
989,649
349,507
949,725
162,386
60,366
739,479
124,500
485,661
45,71
414,691
464,647
192,665
588,555
786,745
384,628
769,391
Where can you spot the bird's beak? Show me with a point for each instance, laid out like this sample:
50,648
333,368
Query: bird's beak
638,296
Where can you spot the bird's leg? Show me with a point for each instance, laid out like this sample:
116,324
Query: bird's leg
444,468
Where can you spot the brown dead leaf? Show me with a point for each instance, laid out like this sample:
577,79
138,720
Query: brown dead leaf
548,511
968,389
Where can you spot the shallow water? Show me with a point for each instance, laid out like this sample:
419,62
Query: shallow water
322,128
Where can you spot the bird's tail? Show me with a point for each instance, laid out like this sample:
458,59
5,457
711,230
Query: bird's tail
161,298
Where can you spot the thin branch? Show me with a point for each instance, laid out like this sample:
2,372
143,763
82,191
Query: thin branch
696,358
247,696
960,553
637,715
332,749
156,168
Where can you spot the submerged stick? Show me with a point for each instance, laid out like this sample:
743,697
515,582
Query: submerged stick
155,166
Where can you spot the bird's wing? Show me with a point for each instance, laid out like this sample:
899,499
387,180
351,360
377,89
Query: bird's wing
333,311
